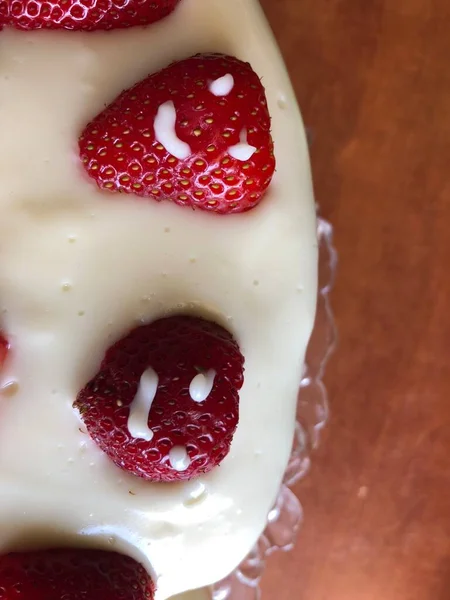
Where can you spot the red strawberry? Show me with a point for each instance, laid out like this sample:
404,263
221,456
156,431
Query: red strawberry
4,347
83,15
196,133
189,371
73,575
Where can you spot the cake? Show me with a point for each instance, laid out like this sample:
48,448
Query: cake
193,595
85,267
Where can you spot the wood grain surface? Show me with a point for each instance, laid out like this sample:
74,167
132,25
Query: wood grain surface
373,81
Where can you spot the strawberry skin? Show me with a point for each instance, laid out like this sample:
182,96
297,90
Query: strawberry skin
73,575
177,349
83,15
4,348
122,152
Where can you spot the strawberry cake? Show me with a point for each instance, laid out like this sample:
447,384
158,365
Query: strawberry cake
158,274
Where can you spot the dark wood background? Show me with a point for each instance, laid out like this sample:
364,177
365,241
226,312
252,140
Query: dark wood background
373,82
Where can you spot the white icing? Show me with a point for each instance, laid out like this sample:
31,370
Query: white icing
198,490
141,405
222,86
202,594
201,385
179,458
9,388
166,134
242,151
56,226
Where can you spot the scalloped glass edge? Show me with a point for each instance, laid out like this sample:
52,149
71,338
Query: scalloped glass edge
285,518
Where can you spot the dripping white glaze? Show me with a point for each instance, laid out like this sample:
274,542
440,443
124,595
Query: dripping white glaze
201,385
242,151
179,458
166,134
222,86
141,405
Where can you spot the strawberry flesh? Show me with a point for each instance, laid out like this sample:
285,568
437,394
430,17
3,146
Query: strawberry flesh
81,15
177,349
121,152
73,575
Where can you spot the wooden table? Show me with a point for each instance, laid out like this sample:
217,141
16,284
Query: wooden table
373,81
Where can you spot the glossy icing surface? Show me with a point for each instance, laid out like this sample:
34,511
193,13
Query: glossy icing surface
79,268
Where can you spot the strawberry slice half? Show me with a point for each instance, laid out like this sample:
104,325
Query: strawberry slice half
73,575
196,133
4,348
165,403
83,15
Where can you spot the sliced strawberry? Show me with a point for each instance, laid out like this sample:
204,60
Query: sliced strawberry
165,402
196,133
73,575
4,347
83,15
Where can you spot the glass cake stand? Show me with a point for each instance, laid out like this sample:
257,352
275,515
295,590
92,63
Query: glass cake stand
286,516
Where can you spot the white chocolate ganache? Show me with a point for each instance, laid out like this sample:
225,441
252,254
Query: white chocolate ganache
78,271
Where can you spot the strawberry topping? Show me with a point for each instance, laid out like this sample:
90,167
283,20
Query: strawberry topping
165,403
4,347
196,133
83,15
73,575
